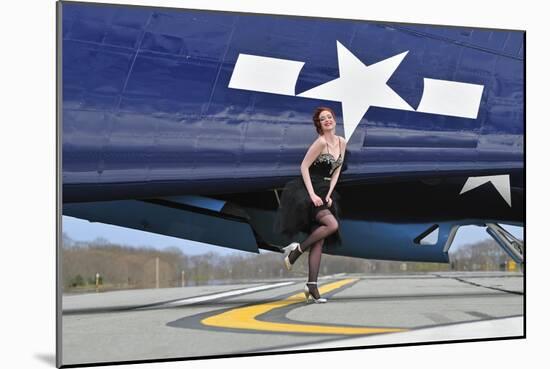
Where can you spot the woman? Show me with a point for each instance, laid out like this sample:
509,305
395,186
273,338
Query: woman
309,204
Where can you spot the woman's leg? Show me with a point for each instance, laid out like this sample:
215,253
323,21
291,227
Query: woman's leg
328,225
315,253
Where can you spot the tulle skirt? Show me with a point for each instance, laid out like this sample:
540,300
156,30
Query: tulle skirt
297,213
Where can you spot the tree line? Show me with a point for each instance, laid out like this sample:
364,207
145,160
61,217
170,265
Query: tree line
125,267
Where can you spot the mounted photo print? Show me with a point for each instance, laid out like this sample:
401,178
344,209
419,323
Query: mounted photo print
248,184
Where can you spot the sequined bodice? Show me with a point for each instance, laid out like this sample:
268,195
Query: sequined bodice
325,164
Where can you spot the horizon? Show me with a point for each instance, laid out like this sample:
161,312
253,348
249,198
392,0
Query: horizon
80,230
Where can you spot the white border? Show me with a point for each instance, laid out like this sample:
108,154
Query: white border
28,181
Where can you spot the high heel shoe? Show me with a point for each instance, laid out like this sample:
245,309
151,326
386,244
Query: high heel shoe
307,292
287,250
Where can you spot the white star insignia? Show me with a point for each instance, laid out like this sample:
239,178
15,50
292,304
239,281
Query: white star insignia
501,183
359,87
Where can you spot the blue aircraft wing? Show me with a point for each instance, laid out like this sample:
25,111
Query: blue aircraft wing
165,112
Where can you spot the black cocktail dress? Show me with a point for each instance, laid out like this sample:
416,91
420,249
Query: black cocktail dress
296,212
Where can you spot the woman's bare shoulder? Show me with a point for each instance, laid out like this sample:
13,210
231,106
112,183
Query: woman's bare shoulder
342,140
319,141
314,150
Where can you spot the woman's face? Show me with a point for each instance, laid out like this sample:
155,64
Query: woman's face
327,121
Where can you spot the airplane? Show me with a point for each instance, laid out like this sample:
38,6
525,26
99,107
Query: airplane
188,123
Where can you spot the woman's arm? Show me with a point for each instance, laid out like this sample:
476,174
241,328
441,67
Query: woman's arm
336,173
312,153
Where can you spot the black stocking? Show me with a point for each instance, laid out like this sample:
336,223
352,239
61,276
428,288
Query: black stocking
315,253
328,225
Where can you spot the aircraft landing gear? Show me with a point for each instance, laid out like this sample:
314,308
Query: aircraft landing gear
510,244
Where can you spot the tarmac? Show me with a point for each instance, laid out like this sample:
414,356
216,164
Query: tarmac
272,316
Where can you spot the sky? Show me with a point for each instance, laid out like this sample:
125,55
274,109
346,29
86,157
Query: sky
82,230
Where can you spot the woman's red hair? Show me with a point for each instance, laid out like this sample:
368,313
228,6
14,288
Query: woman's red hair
317,121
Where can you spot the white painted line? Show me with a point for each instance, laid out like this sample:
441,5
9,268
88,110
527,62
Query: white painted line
194,300
506,327
333,276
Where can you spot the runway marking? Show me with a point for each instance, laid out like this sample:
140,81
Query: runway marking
245,317
194,300
508,327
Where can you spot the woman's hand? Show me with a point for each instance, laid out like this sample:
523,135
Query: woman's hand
317,201
329,201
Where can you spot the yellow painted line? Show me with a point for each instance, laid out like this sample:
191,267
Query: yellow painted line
245,317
